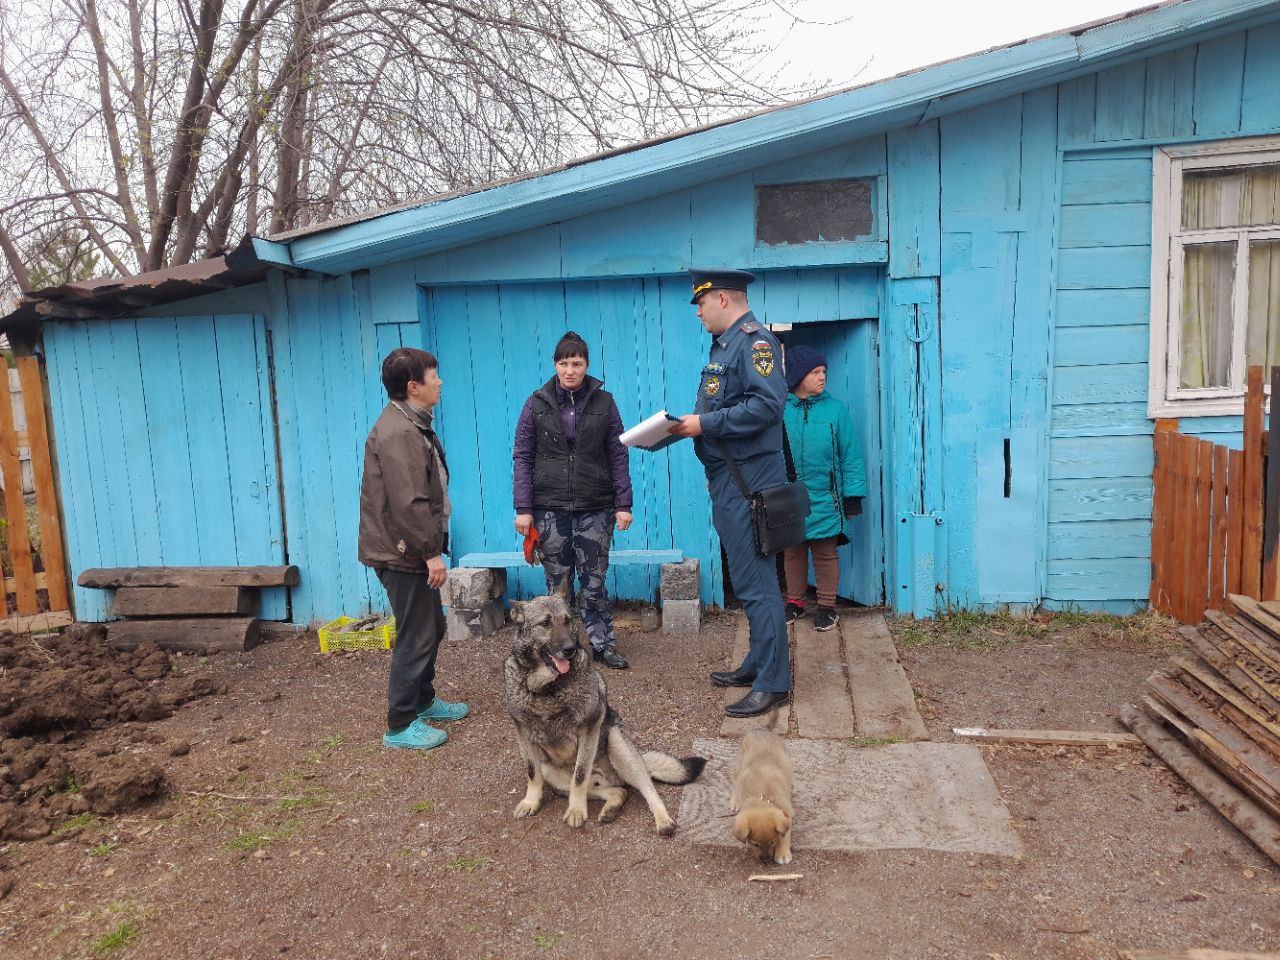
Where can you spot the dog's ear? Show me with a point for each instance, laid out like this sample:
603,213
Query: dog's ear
741,829
781,821
562,589
517,612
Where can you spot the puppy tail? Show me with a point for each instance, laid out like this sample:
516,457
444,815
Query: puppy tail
668,769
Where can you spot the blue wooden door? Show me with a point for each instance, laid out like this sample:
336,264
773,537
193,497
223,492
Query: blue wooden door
166,449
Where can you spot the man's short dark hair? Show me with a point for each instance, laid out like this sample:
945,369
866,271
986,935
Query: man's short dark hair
403,365
571,345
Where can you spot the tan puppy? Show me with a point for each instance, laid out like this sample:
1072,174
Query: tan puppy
761,796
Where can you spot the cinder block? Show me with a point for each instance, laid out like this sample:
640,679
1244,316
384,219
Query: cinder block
681,617
470,588
463,625
680,581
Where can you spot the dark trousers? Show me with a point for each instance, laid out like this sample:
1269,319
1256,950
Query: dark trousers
755,578
419,627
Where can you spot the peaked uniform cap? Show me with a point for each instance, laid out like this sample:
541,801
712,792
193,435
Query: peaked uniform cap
704,280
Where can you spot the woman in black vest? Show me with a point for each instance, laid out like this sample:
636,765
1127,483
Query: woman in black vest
572,483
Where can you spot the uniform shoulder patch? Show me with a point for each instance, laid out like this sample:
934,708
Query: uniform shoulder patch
762,358
750,327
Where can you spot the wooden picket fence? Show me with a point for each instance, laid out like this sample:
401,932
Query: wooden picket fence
35,581
1215,519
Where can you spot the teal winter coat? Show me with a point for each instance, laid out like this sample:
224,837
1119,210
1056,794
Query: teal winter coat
827,458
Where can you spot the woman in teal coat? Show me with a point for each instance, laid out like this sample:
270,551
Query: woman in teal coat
829,463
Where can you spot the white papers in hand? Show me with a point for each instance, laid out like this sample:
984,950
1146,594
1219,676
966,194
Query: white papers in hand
651,434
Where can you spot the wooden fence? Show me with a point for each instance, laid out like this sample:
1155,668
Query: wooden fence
1215,518
35,574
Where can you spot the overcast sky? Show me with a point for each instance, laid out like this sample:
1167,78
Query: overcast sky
898,35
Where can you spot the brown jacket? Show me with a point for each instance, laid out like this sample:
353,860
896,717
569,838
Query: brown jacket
402,495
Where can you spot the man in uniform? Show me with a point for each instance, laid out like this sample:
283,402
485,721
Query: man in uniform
739,409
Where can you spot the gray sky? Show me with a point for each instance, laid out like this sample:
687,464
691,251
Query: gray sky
898,35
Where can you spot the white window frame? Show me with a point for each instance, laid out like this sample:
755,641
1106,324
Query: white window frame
1165,398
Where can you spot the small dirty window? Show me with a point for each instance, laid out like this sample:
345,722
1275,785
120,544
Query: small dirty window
824,210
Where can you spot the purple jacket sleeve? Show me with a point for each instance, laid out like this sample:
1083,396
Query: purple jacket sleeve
619,469
522,457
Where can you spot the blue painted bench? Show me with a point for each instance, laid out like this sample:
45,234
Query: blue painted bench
617,558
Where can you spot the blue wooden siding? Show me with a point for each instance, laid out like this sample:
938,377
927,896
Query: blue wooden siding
165,448
1100,459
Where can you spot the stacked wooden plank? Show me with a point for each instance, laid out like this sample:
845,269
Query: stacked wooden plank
202,609
1215,717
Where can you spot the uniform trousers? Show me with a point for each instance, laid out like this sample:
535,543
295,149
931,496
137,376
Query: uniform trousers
419,627
754,578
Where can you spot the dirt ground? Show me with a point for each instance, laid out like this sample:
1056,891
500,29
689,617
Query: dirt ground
287,830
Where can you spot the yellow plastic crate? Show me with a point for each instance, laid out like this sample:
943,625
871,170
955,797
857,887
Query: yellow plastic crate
332,639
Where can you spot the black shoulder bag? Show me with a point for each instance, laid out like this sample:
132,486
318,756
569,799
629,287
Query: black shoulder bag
778,513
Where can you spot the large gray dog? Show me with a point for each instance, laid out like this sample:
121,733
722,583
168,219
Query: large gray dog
569,736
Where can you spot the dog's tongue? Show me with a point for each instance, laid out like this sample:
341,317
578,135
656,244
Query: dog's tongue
562,663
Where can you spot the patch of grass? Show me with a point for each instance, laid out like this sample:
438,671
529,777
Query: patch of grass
257,839
423,806
76,822
548,941
958,628
102,849
68,784
404,853
334,742
124,935
469,864
873,741
311,797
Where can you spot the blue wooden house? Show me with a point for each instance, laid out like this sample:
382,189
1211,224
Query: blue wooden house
1016,262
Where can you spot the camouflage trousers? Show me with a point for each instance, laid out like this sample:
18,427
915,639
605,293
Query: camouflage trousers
575,545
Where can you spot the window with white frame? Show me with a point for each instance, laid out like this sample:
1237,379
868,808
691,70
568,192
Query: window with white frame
1215,278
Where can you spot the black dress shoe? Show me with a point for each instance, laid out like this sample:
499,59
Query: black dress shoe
733,678
756,702
612,658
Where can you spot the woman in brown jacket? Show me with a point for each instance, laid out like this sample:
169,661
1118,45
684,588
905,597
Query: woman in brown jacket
404,530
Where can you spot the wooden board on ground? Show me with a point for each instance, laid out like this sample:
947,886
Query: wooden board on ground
1066,738
185,601
775,720
116,577
37,622
883,702
820,691
1195,955
203,635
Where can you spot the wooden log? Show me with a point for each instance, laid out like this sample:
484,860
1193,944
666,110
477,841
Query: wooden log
1162,494
1235,519
1210,678
24,572
51,551
1251,553
1253,770
204,635
185,601
1249,818
1066,738
1218,544
36,622
1242,656
1200,532
1226,702
116,577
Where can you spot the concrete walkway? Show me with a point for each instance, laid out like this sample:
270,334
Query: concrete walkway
864,780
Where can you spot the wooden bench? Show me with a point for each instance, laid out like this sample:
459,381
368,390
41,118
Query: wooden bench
617,558
202,609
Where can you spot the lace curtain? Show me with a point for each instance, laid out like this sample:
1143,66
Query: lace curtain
1217,199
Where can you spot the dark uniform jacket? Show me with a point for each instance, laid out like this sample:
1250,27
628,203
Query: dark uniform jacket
402,494
741,395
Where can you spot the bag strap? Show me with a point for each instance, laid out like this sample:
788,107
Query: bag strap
737,473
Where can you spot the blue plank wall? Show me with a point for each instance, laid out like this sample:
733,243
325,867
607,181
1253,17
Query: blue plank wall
1100,438
169,459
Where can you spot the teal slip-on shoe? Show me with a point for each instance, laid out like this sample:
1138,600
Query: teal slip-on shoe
444,710
416,736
